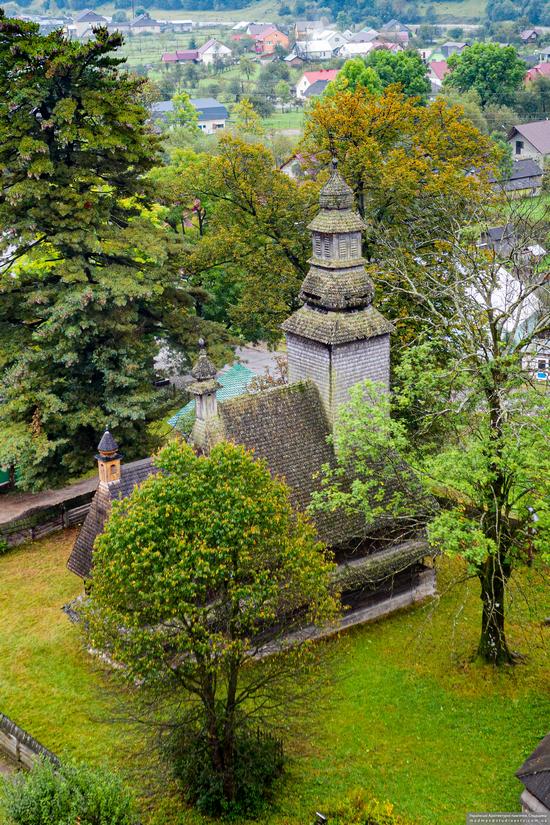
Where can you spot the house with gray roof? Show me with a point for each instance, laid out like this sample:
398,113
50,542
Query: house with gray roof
534,774
523,180
212,115
336,339
530,140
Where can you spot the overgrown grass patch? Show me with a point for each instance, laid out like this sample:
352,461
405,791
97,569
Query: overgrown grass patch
405,713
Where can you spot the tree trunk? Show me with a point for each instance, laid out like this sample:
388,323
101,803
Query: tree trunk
493,647
229,789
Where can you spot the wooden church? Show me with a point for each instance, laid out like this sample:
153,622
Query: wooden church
335,340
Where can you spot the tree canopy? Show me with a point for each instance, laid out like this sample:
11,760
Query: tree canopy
495,72
205,566
89,277
405,68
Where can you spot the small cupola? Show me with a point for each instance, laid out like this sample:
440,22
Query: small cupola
204,389
108,458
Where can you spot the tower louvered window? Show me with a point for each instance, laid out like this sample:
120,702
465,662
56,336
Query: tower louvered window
317,244
342,247
326,246
354,247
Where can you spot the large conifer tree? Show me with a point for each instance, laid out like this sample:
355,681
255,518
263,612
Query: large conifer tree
89,281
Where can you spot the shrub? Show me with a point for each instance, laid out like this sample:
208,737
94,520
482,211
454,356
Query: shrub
258,763
66,795
359,810
4,546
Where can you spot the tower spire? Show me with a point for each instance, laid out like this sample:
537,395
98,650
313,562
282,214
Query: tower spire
204,388
337,317
108,458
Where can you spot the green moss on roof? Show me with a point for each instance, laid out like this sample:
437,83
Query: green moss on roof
337,221
337,327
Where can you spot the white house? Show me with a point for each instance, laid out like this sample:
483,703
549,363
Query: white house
309,78
213,50
212,115
144,24
333,37
314,49
84,22
530,140
357,49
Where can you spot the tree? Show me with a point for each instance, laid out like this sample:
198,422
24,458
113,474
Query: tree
184,113
249,249
282,90
495,72
246,119
247,66
469,431
409,166
68,793
406,68
90,279
119,17
203,567
355,73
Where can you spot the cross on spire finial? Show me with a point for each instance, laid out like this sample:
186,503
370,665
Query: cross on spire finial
334,163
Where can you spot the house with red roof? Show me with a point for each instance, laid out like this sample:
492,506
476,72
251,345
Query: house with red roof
437,70
183,56
309,78
541,70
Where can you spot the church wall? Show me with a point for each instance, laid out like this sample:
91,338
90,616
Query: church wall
309,359
358,361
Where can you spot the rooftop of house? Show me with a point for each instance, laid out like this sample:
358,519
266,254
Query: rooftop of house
454,44
439,67
540,70
535,772
316,88
256,29
185,54
537,133
207,107
364,36
320,74
88,16
211,44
144,20
269,33
521,169
526,34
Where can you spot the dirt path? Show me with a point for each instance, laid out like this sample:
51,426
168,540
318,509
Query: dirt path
13,505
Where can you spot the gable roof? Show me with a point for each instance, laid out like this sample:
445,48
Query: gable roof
440,68
535,772
144,20
209,108
316,88
320,74
80,560
364,36
287,427
269,33
537,133
88,16
211,44
540,70
257,29
185,54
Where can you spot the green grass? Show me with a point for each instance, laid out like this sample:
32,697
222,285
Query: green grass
405,715
463,11
285,120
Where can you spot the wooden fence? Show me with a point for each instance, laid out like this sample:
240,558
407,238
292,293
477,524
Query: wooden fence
44,520
20,746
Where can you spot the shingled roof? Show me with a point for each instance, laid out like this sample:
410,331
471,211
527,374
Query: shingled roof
287,427
535,772
132,474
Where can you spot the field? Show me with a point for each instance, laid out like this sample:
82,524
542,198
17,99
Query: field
404,715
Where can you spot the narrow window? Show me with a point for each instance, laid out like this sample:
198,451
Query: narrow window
354,247
542,366
519,147
342,246
326,246
317,245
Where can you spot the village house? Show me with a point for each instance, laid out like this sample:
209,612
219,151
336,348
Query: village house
304,29
540,70
334,38
84,23
357,49
396,31
314,49
529,36
544,55
182,56
267,42
336,339
145,24
212,51
212,115
309,78
523,180
530,140
364,36
437,69
452,47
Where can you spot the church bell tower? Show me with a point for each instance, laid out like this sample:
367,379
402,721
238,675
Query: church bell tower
337,338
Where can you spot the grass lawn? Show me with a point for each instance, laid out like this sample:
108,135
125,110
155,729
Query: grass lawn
463,11
285,120
405,715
